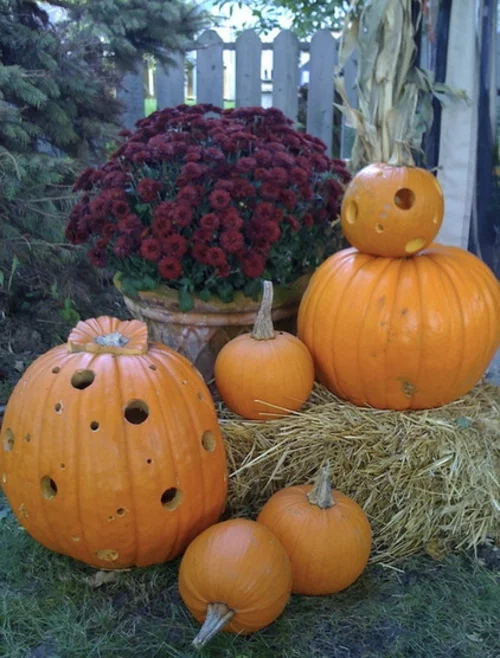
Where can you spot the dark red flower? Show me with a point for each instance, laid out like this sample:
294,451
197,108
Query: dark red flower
246,165
219,199
163,210
293,221
263,157
264,210
175,245
215,257
150,249
232,241
222,184
209,222
242,189
124,246
232,219
270,191
189,194
279,176
224,270
182,215
97,256
288,199
148,189
202,235
253,265
130,224
308,220
299,176
199,252
261,174
170,267
192,170
120,209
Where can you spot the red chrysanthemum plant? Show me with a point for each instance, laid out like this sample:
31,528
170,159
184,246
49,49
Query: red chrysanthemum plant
210,202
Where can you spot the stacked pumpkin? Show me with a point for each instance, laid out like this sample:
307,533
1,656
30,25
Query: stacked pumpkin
397,322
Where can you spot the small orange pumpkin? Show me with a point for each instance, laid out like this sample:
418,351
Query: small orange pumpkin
325,533
404,333
264,374
392,211
111,451
235,577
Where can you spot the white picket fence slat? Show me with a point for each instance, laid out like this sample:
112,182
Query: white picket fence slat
248,69
320,94
209,69
169,83
286,73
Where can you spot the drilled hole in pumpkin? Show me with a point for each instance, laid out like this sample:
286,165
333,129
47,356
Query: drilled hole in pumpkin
121,511
9,440
62,466
27,438
200,396
58,407
94,425
152,366
208,441
82,379
379,228
171,498
149,461
49,487
107,555
414,245
136,412
404,198
56,369
351,212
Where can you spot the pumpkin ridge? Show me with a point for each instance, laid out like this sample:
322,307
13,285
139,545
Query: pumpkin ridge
400,264
121,376
369,302
333,330
167,377
40,435
472,273
443,266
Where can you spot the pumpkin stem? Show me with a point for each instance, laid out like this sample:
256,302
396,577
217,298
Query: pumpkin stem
218,615
115,339
263,328
321,493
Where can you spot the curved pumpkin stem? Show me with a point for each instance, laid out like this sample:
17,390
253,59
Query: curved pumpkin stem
218,615
321,493
263,328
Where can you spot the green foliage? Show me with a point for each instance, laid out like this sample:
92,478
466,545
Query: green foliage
59,111
308,15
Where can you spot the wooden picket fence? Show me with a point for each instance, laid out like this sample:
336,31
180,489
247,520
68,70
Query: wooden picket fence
286,49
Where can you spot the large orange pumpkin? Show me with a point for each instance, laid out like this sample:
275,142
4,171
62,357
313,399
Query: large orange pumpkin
111,451
407,333
235,577
265,373
326,534
392,210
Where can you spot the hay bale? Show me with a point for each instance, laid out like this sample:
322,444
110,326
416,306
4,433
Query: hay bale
426,479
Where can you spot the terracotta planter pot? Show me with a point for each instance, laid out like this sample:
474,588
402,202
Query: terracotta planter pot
202,332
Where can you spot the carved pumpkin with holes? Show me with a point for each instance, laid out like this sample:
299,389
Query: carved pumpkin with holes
392,211
111,451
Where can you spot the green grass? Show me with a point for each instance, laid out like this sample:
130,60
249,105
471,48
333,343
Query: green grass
425,609
151,106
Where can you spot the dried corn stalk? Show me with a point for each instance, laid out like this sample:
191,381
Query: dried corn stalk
394,95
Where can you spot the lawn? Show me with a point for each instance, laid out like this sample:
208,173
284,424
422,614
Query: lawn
50,608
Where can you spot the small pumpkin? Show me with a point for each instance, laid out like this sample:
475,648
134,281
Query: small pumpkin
325,533
236,577
405,333
392,211
265,373
111,451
